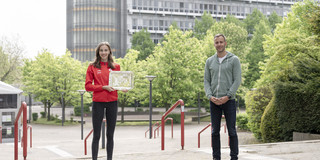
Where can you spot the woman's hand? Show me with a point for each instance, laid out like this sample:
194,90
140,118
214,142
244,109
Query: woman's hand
125,90
108,88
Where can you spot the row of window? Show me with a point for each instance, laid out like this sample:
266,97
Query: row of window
184,7
162,25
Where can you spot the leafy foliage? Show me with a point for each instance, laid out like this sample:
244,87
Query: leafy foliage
142,42
178,64
11,58
256,53
201,26
256,102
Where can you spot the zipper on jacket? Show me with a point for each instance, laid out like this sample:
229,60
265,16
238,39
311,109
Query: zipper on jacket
218,80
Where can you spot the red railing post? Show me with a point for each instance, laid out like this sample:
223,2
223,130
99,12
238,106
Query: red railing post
171,125
85,142
182,123
201,132
29,126
23,109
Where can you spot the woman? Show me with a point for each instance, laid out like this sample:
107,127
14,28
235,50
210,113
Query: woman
104,98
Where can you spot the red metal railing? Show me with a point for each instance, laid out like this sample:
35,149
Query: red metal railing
225,130
23,109
145,134
85,140
0,134
201,132
29,126
160,126
182,123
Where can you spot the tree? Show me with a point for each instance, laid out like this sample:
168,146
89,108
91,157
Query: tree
253,19
273,20
48,76
256,54
232,19
178,64
235,35
130,63
201,26
142,42
291,38
11,58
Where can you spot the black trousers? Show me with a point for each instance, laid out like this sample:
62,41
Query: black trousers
111,110
229,110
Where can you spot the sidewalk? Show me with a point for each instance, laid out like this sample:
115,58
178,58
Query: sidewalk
64,143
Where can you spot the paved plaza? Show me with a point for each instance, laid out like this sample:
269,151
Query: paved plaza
64,143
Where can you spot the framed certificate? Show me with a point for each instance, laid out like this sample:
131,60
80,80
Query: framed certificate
121,80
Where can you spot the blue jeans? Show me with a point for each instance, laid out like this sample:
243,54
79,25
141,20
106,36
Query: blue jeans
229,110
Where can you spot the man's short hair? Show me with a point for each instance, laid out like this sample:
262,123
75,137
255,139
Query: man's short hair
220,35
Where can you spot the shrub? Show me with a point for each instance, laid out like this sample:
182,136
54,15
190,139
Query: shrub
242,121
256,102
34,116
139,110
43,114
176,118
270,130
77,110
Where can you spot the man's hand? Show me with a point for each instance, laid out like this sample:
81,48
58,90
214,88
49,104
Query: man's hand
219,101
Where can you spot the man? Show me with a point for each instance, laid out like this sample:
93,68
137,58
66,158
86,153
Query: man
222,77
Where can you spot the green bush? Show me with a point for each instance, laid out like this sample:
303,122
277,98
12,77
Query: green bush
242,121
298,110
43,114
176,118
139,110
77,110
270,129
34,116
256,102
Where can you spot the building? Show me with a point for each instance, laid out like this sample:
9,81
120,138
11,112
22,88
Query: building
92,21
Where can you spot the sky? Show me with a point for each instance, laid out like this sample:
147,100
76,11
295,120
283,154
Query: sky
38,24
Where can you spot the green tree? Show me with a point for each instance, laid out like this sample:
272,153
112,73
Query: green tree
142,42
253,19
130,63
232,19
48,76
236,38
273,20
201,26
256,54
11,59
178,64
291,38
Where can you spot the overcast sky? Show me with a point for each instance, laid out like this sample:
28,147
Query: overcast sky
39,24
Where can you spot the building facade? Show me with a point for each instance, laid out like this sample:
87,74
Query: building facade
115,21
90,22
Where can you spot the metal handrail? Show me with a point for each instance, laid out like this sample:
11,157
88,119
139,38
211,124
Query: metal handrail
23,109
179,102
85,140
160,126
201,132
145,134
29,126
224,125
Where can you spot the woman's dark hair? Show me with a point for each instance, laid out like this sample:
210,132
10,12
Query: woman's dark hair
97,60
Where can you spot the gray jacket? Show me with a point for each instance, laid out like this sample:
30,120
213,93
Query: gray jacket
222,79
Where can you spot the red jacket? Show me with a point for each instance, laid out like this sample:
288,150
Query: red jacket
96,78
